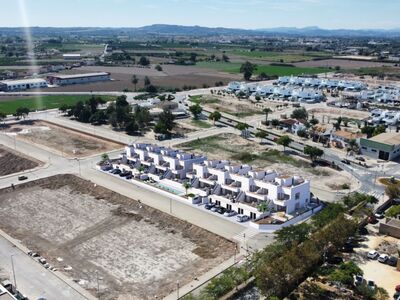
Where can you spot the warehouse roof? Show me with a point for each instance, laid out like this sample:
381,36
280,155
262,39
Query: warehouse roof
23,81
73,76
389,138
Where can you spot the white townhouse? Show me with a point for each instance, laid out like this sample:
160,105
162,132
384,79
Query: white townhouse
233,86
244,190
265,90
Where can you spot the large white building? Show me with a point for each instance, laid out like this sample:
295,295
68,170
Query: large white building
61,79
22,84
255,193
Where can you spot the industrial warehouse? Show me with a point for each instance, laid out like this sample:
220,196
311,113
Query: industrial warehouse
52,80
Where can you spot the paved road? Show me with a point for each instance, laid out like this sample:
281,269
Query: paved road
33,280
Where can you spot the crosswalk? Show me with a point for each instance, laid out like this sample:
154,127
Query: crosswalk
245,235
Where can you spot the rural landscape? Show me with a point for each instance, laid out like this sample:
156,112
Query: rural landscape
244,155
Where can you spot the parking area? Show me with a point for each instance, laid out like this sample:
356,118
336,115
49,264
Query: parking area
107,241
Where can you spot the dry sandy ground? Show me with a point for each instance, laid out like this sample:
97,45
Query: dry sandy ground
229,144
384,275
12,161
342,63
137,251
333,113
63,141
171,76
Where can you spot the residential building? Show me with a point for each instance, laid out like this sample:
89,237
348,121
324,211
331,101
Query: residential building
292,125
61,79
71,56
233,86
22,84
385,146
341,138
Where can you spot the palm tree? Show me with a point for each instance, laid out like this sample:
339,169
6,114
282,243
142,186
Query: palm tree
266,111
141,169
186,185
135,81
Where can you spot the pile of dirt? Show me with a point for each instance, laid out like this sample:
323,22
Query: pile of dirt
14,162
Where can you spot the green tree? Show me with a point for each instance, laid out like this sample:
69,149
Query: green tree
98,118
215,116
284,141
135,81
247,69
22,112
261,135
330,212
64,108
353,146
186,185
147,81
379,129
196,110
300,114
144,61
243,128
345,273
368,130
159,68
294,234
104,158
267,111
225,58
131,126
313,152
165,123
392,191
393,212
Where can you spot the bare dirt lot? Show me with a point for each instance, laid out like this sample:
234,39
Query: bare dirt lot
267,157
138,252
12,161
66,142
171,76
331,113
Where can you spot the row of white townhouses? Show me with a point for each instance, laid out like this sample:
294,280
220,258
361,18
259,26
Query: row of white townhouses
255,193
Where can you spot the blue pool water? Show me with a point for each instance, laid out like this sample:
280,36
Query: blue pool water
169,189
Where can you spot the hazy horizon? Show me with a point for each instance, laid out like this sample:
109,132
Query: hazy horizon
250,14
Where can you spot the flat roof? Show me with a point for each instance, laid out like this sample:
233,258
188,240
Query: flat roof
388,138
71,55
73,76
23,81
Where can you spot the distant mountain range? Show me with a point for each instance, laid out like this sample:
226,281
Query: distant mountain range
178,30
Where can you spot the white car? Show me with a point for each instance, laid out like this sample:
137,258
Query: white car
383,258
230,213
372,254
242,218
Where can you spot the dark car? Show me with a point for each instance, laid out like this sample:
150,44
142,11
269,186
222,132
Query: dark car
345,161
116,171
347,247
23,177
221,210
360,158
129,177
208,206
125,173
392,261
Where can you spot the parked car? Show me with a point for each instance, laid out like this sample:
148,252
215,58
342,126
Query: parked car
106,168
359,280
392,261
383,258
42,260
230,213
379,215
22,177
221,210
125,173
242,218
372,254
117,171
215,208
129,177
208,206
360,158
345,161
371,284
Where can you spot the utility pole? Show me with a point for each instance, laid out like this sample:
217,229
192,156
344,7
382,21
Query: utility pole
79,165
177,290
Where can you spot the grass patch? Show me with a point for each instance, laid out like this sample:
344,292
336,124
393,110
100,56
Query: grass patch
200,99
286,57
268,69
201,124
389,181
44,102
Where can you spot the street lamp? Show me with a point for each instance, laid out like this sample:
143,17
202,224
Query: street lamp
13,270
79,164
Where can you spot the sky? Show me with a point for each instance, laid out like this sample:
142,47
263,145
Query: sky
248,14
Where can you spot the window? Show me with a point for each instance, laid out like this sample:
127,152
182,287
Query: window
364,148
297,196
373,150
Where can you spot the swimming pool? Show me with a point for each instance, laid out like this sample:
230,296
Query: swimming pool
169,189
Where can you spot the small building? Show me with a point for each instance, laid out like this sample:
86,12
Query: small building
385,146
71,56
22,84
341,138
292,125
78,78
390,227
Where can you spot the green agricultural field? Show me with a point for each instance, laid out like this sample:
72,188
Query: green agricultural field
267,69
44,102
285,57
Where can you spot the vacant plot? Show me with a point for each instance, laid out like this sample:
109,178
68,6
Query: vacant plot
12,161
331,113
243,151
131,250
267,69
287,57
64,141
227,104
9,105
